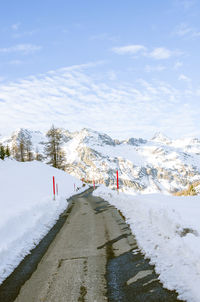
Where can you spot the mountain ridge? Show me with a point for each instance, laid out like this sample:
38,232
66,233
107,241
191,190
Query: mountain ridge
145,166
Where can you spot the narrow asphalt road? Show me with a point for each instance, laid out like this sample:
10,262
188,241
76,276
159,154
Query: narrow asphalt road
94,258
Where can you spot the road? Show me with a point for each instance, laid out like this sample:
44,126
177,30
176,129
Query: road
93,258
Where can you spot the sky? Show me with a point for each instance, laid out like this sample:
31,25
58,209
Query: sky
127,68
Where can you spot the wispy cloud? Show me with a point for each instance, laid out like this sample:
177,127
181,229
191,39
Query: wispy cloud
186,30
161,53
184,78
112,76
73,98
157,68
21,34
158,53
177,65
185,4
15,62
104,36
15,26
129,49
21,48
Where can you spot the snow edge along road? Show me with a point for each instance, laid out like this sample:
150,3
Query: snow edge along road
10,287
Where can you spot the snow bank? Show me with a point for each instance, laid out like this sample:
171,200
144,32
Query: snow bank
167,230
27,208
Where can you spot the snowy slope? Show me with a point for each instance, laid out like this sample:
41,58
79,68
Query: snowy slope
167,229
27,208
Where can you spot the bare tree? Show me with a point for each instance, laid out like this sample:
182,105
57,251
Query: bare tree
38,156
22,147
53,150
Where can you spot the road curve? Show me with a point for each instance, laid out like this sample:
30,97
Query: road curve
93,258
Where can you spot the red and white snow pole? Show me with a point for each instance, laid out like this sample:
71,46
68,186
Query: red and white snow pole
54,191
117,180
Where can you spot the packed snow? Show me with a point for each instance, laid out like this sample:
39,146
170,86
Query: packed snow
167,230
27,208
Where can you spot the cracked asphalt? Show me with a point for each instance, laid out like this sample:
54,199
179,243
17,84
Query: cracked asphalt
93,258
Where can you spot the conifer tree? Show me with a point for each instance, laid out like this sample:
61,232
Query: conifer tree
7,152
2,152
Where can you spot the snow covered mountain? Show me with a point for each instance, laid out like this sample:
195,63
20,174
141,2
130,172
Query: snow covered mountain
144,166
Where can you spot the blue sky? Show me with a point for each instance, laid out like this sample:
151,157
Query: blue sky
127,68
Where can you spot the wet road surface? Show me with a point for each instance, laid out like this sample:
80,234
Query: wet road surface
94,257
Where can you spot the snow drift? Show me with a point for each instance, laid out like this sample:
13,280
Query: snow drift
167,229
27,208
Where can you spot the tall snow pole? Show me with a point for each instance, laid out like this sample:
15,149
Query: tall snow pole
117,180
54,190
94,183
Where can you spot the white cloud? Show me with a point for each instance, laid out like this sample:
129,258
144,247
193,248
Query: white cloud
22,48
198,92
177,65
161,53
15,62
183,77
18,34
157,68
112,76
15,26
129,49
73,98
185,30
104,36
186,4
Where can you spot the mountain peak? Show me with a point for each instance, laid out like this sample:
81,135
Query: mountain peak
161,138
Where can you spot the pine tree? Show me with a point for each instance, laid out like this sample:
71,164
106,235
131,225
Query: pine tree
7,152
2,152
53,149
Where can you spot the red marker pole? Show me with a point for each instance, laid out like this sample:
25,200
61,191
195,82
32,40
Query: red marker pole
117,180
54,193
94,184
57,189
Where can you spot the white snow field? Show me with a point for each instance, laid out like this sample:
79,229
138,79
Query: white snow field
27,208
167,229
